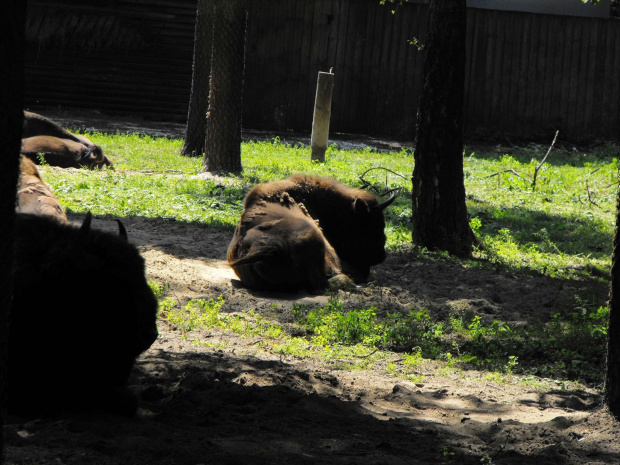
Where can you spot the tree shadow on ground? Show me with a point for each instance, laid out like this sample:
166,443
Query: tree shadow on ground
210,406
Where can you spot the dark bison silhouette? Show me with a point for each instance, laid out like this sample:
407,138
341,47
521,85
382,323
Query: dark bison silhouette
34,195
82,312
42,136
279,247
351,219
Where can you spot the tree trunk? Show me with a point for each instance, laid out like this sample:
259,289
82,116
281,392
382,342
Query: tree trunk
194,144
439,210
223,138
12,21
612,378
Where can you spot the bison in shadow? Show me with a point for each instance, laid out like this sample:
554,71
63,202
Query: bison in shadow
277,246
351,219
34,196
82,312
59,147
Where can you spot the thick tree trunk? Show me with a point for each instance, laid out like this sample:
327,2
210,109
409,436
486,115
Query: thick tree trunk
12,20
223,139
612,378
194,144
439,210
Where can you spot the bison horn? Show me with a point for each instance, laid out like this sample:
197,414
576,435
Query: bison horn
122,232
85,228
388,202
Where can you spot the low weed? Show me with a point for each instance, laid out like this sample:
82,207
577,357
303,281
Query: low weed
569,347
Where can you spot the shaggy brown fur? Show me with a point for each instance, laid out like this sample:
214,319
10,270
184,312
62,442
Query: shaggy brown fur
58,154
34,196
351,219
277,246
65,351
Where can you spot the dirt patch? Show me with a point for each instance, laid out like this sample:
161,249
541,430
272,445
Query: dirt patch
240,404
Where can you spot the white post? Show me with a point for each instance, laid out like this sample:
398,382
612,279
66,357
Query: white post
322,113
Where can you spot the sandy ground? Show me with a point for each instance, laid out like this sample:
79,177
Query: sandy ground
240,404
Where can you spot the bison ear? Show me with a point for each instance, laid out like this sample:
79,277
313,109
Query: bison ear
360,206
122,232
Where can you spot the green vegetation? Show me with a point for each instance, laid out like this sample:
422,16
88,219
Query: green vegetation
562,229
569,347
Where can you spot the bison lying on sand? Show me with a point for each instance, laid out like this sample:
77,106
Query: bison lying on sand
34,196
351,219
278,247
82,312
41,135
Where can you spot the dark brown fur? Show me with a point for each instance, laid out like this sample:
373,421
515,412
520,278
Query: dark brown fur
34,196
64,153
351,219
37,125
82,312
277,246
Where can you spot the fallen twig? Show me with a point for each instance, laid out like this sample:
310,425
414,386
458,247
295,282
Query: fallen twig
543,161
507,171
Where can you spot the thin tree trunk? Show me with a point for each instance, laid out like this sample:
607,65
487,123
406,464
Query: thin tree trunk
612,377
439,210
12,21
194,144
223,139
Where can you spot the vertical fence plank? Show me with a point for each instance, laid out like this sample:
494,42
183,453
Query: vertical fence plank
471,77
610,81
356,104
367,22
339,109
375,75
498,38
600,77
296,61
574,80
582,76
410,102
480,55
536,90
592,80
509,103
522,85
565,84
532,91
557,39
303,118
615,94
399,104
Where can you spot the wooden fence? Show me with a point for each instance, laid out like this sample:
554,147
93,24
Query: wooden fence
527,74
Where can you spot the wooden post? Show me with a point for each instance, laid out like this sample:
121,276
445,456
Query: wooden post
322,113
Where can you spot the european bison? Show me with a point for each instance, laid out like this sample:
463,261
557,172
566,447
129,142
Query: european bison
64,153
34,196
351,219
82,312
61,147
278,247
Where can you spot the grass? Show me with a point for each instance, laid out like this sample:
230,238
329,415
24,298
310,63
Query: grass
563,228
569,347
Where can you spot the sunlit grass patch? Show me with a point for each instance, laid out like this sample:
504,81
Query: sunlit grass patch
563,228
568,348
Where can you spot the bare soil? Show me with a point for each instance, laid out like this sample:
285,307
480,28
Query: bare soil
244,405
